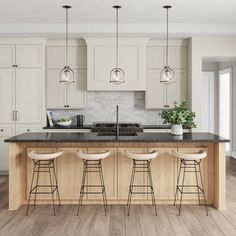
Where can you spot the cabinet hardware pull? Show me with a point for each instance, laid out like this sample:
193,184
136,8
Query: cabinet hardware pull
16,112
13,115
28,130
2,130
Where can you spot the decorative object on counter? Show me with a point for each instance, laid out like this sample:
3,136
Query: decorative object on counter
178,116
49,116
80,120
64,122
167,74
67,74
117,75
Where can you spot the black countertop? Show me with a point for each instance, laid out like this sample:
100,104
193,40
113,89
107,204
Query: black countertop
93,137
69,127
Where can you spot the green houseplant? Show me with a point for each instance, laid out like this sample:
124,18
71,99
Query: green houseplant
178,116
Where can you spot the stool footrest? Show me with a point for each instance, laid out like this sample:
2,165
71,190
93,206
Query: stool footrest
34,190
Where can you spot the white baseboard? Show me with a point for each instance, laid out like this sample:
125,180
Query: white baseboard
4,172
233,154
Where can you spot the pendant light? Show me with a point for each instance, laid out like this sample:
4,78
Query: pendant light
117,75
66,74
167,74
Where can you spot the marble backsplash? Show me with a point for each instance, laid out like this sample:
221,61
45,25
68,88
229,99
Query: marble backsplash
102,108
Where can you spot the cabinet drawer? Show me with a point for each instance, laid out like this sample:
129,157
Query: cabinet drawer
6,131
24,129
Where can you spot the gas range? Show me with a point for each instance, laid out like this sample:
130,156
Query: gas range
111,127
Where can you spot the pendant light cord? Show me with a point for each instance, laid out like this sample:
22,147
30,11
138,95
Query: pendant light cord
117,38
66,36
167,36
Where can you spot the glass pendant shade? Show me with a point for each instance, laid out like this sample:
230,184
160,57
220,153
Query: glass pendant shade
117,76
167,75
67,75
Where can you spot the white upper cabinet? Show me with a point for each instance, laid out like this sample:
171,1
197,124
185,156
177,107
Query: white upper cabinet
77,57
7,95
101,59
55,91
158,95
77,92
28,55
7,56
28,95
72,96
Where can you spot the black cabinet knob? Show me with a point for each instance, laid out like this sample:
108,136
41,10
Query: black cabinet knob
1,130
28,130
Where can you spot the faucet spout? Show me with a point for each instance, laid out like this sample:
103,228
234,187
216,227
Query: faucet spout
117,121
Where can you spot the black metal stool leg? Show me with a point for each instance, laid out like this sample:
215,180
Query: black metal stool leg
51,183
151,184
203,191
56,183
30,193
131,181
178,179
37,163
181,196
103,187
198,193
131,186
82,186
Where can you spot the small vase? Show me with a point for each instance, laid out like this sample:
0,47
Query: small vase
177,130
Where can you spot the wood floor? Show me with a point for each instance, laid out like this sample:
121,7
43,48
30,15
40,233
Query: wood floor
142,221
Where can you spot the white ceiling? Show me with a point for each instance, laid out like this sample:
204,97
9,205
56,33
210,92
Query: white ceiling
137,16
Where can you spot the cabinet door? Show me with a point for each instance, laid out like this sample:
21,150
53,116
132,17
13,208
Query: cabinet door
77,92
6,131
55,57
177,57
7,95
109,174
164,173
28,55
77,57
125,165
155,57
28,95
176,92
155,94
55,91
27,128
69,173
7,56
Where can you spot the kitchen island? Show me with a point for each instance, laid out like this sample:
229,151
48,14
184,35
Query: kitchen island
117,167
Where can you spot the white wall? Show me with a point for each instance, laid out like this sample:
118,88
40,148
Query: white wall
205,47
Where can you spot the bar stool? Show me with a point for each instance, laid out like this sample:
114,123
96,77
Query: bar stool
44,162
92,163
141,163
190,161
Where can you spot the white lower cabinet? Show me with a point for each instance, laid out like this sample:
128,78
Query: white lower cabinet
27,128
6,131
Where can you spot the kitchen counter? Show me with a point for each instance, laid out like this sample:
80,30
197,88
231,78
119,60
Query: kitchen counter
93,137
69,127
117,167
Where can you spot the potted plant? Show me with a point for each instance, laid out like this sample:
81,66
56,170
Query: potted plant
178,117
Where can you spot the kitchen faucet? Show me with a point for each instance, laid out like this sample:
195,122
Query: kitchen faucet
117,122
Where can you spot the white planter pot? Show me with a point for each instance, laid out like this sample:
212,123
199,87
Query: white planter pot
177,130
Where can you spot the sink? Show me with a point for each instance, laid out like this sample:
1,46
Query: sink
114,134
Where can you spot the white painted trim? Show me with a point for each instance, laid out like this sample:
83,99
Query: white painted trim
71,42
28,41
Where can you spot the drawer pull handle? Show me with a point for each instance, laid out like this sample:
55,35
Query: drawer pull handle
28,130
2,130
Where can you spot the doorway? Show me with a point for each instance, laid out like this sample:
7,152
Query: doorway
225,105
